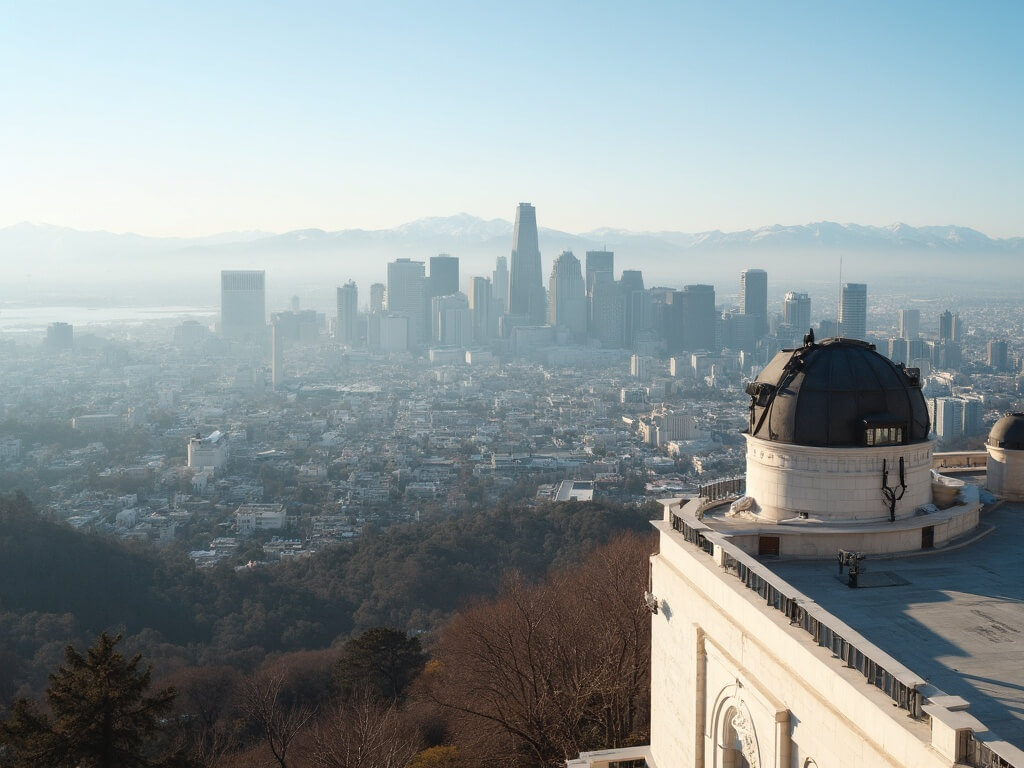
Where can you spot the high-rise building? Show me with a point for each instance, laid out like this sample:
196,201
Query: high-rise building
444,275
636,306
899,350
599,261
347,327
407,296
796,312
853,311
606,309
754,299
997,355
499,280
59,336
243,305
949,417
480,303
568,295
377,293
276,356
946,326
451,321
526,283
699,317
910,323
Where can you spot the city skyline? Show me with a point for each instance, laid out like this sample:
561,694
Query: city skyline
184,126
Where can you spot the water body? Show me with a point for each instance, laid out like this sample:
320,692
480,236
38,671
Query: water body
15,319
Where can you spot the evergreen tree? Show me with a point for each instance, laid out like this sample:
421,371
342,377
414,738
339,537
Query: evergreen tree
381,661
99,715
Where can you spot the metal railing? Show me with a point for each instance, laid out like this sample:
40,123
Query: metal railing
905,696
980,755
974,752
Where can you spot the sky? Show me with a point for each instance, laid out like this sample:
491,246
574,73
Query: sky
191,118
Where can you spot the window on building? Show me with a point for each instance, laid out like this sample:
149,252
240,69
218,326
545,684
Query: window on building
890,434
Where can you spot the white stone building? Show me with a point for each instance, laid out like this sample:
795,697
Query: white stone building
210,452
761,652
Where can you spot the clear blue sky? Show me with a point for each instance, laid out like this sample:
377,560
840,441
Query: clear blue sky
190,118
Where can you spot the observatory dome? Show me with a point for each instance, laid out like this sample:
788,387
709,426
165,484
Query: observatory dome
839,393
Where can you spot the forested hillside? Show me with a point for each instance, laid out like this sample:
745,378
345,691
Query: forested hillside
60,586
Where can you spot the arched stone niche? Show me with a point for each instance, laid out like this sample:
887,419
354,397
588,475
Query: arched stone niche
734,734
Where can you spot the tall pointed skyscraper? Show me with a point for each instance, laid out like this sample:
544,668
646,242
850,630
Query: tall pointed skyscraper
526,283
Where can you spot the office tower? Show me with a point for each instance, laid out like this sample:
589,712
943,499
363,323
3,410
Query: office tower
294,304
899,350
796,312
243,305
853,311
636,306
525,284
606,307
377,292
910,323
738,332
599,261
997,355
347,328
276,356
451,320
59,336
407,297
568,295
827,329
499,280
754,299
946,326
303,325
958,328
699,317
949,417
916,349
444,275
481,305
974,411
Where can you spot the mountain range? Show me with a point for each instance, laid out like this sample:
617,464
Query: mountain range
42,254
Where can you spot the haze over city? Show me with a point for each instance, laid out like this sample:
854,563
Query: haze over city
464,385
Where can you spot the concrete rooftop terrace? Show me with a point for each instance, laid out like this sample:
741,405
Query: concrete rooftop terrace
958,621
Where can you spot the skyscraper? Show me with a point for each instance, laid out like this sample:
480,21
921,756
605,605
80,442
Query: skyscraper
599,261
796,311
451,320
946,326
853,311
347,328
636,307
910,323
568,296
499,280
480,304
444,275
407,297
526,284
997,355
377,291
606,308
276,356
754,299
698,314
243,305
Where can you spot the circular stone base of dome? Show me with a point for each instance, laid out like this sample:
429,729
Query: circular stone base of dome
812,539
1005,473
836,484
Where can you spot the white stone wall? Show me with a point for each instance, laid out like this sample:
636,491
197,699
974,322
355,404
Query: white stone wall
715,645
834,484
1005,471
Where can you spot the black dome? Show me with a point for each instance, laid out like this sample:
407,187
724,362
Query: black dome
1008,432
837,393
